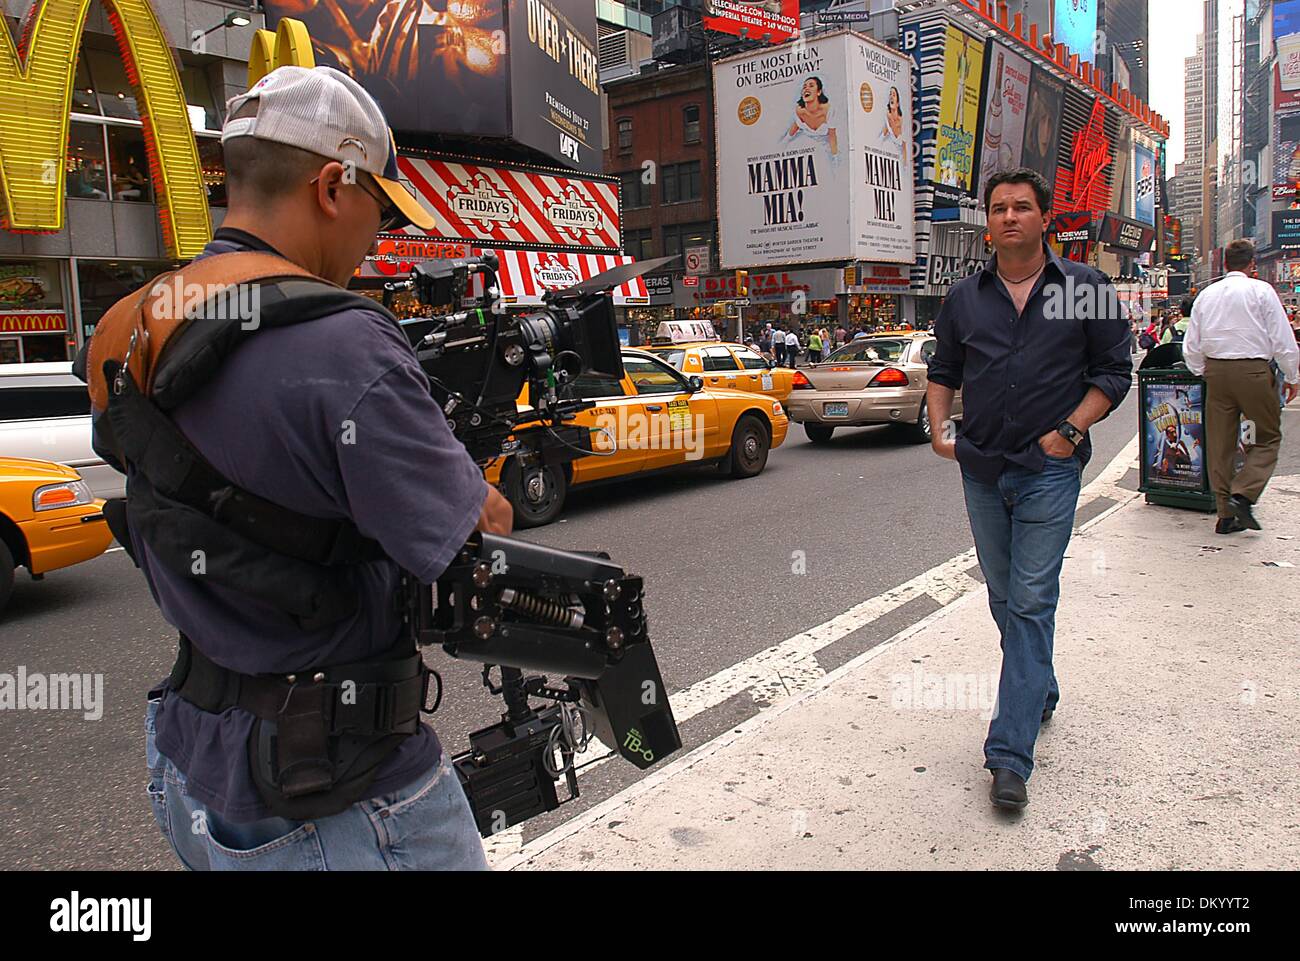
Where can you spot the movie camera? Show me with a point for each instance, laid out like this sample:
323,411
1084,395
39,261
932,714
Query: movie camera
515,606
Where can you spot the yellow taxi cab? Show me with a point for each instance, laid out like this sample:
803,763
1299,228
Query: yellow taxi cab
733,366
655,418
48,519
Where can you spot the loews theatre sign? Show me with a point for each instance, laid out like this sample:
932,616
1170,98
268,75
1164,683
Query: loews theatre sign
36,101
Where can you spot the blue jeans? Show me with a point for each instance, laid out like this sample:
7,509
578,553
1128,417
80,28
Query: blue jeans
1022,526
426,826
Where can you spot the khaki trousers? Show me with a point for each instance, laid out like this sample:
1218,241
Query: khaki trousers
1237,389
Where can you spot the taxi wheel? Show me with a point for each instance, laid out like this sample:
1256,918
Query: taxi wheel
750,444
6,573
818,433
536,493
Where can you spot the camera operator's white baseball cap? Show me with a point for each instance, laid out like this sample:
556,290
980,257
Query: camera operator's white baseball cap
324,111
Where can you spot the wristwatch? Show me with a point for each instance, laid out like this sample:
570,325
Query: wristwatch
1070,432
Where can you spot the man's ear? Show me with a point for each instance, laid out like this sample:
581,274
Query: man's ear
329,181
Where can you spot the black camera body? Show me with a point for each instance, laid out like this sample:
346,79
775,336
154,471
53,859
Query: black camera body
518,606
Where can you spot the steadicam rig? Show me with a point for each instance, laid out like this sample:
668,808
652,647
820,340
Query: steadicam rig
523,607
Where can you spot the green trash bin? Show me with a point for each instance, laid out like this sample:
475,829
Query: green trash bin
1171,429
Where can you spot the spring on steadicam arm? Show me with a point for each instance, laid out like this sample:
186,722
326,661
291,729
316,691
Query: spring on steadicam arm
540,609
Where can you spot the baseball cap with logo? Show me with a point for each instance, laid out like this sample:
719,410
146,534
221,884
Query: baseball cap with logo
324,111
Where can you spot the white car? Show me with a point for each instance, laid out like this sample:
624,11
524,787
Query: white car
45,415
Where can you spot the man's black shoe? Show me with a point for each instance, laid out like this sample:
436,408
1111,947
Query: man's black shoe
1008,790
1229,525
1047,714
1240,508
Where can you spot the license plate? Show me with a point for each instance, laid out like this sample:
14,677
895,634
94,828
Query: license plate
835,410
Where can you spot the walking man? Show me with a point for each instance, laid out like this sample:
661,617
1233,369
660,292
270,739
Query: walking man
1238,326
1041,353
778,345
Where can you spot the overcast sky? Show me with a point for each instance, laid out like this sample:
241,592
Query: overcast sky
1173,26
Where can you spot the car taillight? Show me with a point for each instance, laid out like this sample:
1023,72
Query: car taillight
889,377
801,382
68,494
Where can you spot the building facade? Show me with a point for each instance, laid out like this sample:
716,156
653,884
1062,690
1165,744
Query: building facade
55,286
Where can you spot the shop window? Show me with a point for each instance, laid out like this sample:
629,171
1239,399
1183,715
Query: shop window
30,285
681,182
691,124
116,98
87,174
625,134
83,89
213,162
198,98
101,284
33,324
128,165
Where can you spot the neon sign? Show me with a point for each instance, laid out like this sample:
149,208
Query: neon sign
35,105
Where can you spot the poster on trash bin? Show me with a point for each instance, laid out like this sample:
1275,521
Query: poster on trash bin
1173,436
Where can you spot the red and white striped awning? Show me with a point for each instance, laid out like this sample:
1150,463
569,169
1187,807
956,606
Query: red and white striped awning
525,276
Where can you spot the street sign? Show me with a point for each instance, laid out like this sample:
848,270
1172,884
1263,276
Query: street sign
697,260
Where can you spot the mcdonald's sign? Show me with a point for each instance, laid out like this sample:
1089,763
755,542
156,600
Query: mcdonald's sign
36,100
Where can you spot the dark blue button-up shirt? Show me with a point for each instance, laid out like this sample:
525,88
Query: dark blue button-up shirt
1021,375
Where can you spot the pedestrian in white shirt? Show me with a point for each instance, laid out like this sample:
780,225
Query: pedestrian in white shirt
1238,326
791,348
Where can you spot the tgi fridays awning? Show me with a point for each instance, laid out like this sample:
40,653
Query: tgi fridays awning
525,276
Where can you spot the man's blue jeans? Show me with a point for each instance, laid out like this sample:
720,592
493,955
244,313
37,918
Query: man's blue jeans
1022,526
426,826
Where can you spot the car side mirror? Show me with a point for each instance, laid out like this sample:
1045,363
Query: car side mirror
694,383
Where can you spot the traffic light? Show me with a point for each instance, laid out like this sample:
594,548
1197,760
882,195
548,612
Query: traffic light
742,283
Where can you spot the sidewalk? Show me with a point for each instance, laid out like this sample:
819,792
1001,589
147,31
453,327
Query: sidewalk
1174,747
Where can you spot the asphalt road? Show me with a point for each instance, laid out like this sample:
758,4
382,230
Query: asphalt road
864,514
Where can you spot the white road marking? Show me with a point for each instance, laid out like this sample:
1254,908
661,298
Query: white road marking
790,669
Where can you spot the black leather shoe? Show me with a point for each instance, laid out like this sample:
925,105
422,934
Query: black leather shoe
1241,510
1047,714
1008,790
1229,525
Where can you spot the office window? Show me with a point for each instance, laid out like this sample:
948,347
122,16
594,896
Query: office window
638,244
199,102
635,191
681,182
625,134
691,124
83,90
677,237
213,163
116,97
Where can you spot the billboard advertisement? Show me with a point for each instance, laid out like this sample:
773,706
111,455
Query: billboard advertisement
1144,185
1173,434
963,69
554,88
1286,155
814,154
509,207
524,69
1075,25
1286,41
1286,229
1043,124
773,20
1003,134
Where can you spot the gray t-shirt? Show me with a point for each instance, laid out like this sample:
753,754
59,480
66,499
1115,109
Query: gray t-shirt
331,417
